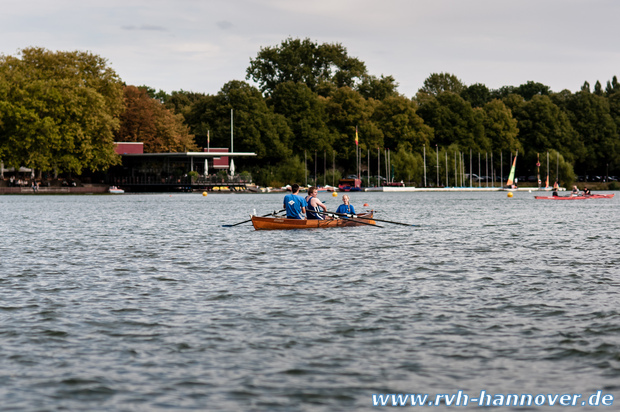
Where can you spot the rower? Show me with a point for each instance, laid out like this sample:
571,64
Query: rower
586,191
345,207
314,204
294,204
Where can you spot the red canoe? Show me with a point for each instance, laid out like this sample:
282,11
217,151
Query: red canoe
575,197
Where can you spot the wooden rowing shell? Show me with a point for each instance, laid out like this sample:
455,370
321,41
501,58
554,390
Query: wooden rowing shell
282,223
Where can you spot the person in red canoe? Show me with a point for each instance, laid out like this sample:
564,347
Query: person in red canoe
586,191
556,187
575,191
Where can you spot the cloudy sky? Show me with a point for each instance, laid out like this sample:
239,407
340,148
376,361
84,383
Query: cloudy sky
199,45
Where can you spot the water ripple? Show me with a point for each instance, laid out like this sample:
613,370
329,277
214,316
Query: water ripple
145,302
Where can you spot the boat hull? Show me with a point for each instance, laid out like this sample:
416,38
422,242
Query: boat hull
574,197
281,223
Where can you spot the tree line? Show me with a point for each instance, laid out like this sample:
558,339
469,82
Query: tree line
62,111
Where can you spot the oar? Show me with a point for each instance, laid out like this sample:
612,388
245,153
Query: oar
356,217
368,218
249,220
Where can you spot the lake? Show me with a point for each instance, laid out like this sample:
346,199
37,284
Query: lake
144,302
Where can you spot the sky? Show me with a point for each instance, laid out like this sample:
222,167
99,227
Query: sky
199,45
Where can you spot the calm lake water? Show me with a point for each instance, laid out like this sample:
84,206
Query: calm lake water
146,303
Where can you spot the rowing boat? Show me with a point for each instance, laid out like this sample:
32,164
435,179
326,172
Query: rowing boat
281,223
609,196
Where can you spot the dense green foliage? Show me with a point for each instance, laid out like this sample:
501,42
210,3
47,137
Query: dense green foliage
310,98
58,111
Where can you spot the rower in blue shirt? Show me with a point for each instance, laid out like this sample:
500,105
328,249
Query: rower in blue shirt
294,204
345,207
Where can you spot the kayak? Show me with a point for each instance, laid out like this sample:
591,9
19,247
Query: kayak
282,223
575,197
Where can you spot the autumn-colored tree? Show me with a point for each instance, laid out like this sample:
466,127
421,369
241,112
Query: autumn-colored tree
146,120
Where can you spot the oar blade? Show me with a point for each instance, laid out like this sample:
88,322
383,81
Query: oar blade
249,220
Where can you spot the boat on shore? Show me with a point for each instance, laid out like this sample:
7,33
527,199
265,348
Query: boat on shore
350,185
608,196
282,223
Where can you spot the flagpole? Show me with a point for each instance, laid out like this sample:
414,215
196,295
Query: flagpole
333,167
424,149
315,162
479,170
447,179
387,176
389,160
470,168
357,154
231,131
324,167
501,168
456,181
437,151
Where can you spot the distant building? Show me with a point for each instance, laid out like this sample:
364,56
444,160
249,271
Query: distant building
137,163
129,147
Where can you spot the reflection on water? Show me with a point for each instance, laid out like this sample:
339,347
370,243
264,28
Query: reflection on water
145,302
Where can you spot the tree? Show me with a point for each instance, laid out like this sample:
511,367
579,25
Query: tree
407,166
502,92
500,127
147,120
345,110
598,89
544,126
563,171
477,94
319,66
372,87
256,127
438,83
305,114
454,121
58,110
396,117
612,87
531,89
590,116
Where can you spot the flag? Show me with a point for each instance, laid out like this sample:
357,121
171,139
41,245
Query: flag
356,139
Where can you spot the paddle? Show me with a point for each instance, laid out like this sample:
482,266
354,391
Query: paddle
356,217
368,218
249,220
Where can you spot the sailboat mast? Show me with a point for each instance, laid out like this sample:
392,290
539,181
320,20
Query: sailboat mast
547,185
538,168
